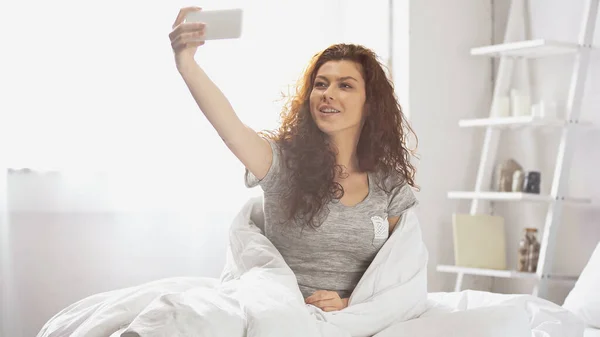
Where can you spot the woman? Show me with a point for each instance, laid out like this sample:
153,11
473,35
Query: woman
336,175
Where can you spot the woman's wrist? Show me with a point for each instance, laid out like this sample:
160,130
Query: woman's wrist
186,64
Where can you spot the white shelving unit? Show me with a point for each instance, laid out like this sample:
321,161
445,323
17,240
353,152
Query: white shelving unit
514,196
520,122
509,54
530,49
503,273
487,272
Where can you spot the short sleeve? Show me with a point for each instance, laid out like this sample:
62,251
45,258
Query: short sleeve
401,197
270,181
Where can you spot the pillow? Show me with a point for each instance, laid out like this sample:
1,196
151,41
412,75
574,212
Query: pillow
584,299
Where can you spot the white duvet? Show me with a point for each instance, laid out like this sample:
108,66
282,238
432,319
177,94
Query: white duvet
257,295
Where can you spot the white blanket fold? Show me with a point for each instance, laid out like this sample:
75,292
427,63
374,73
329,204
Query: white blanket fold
257,295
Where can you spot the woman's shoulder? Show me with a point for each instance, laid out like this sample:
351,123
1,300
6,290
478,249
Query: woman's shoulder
271,181
391,180
277,146
400,194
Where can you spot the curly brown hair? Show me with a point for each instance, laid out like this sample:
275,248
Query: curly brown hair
306,150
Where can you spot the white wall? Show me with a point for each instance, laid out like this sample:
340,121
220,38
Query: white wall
446,84
580,227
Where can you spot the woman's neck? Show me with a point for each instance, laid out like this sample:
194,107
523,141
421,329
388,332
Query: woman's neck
346,156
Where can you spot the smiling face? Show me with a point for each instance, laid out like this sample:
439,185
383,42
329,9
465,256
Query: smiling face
338,98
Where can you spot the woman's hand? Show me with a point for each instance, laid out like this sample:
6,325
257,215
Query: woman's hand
186,37
327,300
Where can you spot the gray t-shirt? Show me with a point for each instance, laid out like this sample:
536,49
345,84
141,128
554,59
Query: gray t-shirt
335,255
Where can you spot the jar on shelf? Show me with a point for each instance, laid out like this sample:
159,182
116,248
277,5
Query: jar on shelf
523,254
529,251
534,252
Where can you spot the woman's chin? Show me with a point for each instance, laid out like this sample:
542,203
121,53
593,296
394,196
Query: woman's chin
327,128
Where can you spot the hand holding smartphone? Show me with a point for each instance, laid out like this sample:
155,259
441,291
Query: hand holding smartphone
219,24
193,27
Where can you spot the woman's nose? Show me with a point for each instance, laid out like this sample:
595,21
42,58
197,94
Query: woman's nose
327,94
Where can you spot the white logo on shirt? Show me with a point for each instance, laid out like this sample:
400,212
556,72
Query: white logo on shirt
380,227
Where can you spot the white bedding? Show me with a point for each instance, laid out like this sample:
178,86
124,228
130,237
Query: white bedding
477,314
257,295
591,332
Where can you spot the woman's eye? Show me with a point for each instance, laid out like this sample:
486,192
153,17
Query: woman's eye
319,84
347,86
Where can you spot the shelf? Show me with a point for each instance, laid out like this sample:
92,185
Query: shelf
511,196
527,49
501,273
500,196
517,122
486,272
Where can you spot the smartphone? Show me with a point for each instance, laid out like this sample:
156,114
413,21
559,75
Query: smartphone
220,24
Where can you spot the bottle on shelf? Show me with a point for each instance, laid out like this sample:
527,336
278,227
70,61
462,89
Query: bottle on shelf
529,251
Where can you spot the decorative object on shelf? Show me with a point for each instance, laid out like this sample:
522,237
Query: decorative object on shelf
501,107
520,103
544,109
517,181
504,175
479,241
531,184
529,251
523,254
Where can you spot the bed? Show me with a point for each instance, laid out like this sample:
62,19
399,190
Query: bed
257,295
192,306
